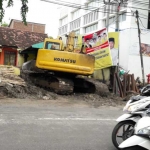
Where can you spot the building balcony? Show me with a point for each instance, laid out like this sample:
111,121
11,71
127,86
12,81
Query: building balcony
63,29
75,24
90,17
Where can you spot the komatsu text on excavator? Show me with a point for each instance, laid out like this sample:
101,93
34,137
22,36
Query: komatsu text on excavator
60,68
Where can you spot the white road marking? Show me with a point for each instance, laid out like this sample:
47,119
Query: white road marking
48,120
81,119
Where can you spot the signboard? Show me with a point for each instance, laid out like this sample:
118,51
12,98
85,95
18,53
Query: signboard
97,44
114,44
145,48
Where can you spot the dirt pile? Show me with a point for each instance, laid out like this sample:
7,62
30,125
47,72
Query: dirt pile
13,86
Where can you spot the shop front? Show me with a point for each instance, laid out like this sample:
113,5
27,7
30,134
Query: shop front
8,56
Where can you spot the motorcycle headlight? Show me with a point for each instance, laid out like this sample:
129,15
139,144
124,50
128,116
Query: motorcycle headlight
145,132
130,108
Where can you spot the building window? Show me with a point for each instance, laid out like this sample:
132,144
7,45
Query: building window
76,14
63,29
104,23
92,6
10,58
64,21
91,28
113,8
122,17
90,17
75,24
112,20
77,32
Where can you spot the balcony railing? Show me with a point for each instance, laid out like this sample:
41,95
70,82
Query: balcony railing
90,17
63,29
75,24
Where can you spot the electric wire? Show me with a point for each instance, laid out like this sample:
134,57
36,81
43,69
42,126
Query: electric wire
143,27
73,6
94,9
142,23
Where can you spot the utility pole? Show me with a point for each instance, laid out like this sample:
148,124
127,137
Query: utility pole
141,56
148,21
117,17
117,3
107,19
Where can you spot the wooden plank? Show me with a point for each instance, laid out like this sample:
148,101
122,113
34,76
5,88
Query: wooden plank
132,82
114,84
119,85
124,84
136,88
128,82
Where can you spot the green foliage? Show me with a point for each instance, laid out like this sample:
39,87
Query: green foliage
50,37
4,24
24,9
2,12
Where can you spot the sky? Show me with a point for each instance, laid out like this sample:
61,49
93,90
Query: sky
39,12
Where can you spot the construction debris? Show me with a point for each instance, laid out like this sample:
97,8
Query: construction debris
7,76
126,85
13,86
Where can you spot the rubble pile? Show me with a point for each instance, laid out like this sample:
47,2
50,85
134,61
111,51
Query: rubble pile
13,86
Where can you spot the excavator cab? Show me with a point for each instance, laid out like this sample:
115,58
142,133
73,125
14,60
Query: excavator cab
53,44
54,58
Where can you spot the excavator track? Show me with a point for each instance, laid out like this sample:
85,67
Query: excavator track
90,85
49,81
65,86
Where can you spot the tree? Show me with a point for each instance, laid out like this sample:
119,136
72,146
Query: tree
23,9
4,24
50,37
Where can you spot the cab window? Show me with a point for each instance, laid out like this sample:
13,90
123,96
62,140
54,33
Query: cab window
52,46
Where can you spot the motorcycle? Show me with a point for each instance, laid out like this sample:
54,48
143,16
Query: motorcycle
134,109
141,138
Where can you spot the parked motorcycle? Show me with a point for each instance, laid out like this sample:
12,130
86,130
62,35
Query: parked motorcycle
125,127
134,109
141,138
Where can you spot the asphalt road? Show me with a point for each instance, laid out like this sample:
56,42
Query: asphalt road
38,125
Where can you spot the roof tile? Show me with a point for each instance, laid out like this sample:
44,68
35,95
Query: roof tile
20,39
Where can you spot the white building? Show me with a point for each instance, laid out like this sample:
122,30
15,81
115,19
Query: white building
92,17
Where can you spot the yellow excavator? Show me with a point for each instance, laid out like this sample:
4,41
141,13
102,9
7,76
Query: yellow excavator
60,68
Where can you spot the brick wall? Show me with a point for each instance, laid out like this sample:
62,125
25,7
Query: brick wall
39,28
32,27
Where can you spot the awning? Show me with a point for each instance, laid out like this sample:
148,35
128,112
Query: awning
38,45
33,49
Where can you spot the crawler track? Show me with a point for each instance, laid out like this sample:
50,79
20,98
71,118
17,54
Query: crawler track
49,82
65,86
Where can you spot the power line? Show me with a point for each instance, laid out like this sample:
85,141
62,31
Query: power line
91,8
79,7
143,17
75,5
142,23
